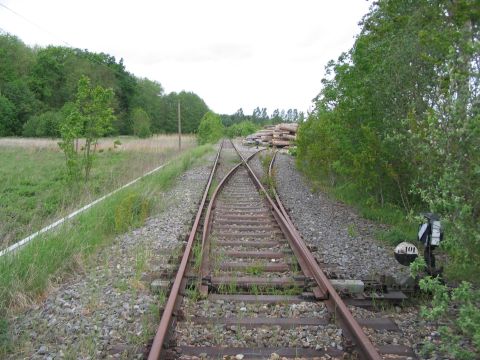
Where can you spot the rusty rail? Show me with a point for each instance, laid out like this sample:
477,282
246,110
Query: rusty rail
160,336
336,304
208,223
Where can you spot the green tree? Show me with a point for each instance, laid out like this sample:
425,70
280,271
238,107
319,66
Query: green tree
49,75
148,97
39,80
210,129
71,129
7,117
24,100
91,116
276,118
398,119
141,123
193,108
16,59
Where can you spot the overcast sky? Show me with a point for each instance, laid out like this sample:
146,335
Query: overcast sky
233,54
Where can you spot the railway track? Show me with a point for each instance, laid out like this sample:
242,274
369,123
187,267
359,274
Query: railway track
247,286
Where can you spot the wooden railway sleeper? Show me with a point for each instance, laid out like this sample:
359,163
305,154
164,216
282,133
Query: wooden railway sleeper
207,281
309,282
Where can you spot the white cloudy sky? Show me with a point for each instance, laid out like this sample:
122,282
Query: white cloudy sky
242,53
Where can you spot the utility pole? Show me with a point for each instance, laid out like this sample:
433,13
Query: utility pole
179,128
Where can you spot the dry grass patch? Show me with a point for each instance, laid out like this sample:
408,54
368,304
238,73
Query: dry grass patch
33,185
156,143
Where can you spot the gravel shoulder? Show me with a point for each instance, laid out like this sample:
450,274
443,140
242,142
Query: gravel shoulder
108,310
345,241
346,246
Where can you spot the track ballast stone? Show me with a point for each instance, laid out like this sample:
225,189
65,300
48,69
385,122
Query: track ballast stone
345,241
108,311
340,234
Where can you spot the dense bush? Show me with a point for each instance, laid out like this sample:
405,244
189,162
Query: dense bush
43,125
398,118
241,129
210,129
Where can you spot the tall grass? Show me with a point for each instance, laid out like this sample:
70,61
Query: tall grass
156,143
34,191
26,274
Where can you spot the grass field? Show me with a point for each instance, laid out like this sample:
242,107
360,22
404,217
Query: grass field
33,189
26,274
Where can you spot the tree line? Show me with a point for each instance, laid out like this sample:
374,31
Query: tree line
38,86
260,117
398,116
213,126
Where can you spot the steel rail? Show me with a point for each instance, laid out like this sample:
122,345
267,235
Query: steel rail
208,221
274,190
160,336
348,322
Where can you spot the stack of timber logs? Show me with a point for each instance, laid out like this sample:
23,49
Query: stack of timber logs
280,135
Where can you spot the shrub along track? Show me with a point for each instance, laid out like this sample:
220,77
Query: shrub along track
248,287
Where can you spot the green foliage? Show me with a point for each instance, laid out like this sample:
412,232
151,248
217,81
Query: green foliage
255,269
16,59
292,150
193,108
417,267
20,95
7,117
260,117
242,129
141,123
39,80
90,117
459,311
398,118
132,210
44,125
70,131
266,158
149,97
210,129
26,273
34,190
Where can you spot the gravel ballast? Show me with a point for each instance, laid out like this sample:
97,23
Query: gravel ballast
108,310
345,241
346,245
